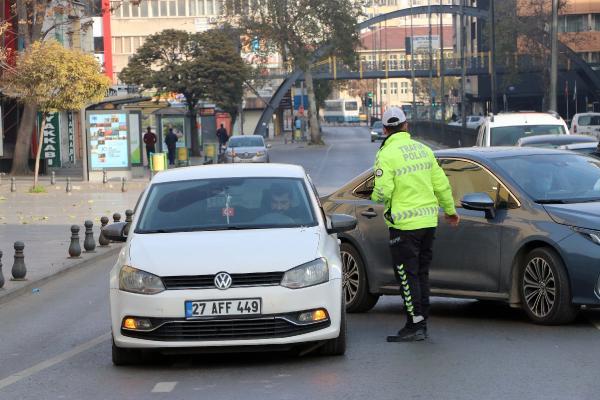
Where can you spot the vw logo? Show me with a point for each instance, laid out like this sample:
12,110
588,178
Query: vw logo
223,280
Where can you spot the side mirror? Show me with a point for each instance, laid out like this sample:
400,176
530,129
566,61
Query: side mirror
479,202
338,223
115,232
269,146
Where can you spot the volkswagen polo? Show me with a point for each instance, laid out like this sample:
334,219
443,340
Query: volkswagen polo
228,256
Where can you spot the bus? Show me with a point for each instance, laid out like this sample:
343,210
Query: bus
341,110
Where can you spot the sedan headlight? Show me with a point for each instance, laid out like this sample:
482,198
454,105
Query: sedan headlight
137,281
260,153
373,133
309,274
589,234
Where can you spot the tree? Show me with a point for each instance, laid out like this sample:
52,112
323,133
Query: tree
422,88
200,66
53,78
296,29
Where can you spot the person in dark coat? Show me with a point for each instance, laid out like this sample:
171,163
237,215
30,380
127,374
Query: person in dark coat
170,141
150,141
223,137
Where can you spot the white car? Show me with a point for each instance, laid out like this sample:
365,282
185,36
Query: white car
473,121
586,124
228,256
505,129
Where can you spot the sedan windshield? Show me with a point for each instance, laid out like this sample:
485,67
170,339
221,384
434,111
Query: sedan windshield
246,142
509,135
228,203
555,178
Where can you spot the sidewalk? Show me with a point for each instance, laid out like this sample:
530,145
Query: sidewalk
42,221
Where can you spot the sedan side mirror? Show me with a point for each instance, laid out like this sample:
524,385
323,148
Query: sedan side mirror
338,223
479,202
115,232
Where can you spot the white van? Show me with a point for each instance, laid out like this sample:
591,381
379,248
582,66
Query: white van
586,124
505,129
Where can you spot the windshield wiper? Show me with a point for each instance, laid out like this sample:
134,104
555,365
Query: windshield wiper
553,201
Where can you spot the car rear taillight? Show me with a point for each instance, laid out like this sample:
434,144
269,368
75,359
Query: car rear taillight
574,128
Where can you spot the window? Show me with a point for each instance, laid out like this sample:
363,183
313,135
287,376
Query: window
125,10
201,7
181,8
403,87
118,45
144,9
155,9
192,7
351,105
163,8
172,8
576,23
210,7
135,10
394,89
115,6
136,43
127,45
383,88
466,177
596,22
510,135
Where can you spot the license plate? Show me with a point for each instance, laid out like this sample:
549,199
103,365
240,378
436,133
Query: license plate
217,308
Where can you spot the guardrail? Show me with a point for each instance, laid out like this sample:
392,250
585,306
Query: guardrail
448,135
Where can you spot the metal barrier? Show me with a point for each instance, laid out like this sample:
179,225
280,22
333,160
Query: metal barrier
448,135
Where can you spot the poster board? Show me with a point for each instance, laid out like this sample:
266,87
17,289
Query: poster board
108,140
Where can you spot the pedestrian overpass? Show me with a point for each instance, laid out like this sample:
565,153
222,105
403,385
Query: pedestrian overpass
330,68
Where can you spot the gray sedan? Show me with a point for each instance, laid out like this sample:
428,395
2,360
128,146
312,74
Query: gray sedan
246,149
529,235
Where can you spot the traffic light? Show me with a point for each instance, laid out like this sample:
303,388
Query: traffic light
369,102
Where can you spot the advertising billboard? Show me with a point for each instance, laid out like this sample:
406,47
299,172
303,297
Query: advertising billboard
108,140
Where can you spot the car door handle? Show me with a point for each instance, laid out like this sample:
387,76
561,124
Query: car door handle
370,213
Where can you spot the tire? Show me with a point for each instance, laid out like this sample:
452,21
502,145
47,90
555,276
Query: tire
372,140
337,346
356,285
121,356
545,288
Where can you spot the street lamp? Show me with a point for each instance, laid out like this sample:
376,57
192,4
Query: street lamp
554,56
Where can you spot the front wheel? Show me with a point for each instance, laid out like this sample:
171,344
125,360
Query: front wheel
355,284
121,356
545,289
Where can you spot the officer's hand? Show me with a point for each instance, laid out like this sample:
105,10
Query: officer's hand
453,220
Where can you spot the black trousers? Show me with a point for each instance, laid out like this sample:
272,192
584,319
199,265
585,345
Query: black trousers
171,155
412,254
149,150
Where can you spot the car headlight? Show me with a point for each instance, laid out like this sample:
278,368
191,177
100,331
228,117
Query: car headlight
137,281
260,153
589,234
309,274
373,133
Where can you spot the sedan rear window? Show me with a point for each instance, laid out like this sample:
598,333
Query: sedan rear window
588,120
246,142
224,204
510,135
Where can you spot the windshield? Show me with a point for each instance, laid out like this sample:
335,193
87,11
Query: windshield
555,178
351,106
510,135
228,203
246,142
377,125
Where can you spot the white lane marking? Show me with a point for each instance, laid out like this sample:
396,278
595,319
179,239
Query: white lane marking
16,377
164,387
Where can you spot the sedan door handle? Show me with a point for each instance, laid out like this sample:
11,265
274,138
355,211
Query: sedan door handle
370,213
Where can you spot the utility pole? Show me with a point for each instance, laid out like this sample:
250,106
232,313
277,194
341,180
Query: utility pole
431,116
412,67
463,74
493,59
554,56
442,67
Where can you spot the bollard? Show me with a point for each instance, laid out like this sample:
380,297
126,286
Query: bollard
53,178
69,185
123,188
18,270
104,176
13,184
1,276
129,220
74,247
116,217
102,240
89,244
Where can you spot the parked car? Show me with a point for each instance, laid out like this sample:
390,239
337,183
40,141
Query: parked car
473,121
555,141
377,131
589,148
246,149
586,124
529,233
228,256
505,129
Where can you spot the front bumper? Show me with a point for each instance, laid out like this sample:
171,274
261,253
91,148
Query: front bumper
241,160
272,327
582,259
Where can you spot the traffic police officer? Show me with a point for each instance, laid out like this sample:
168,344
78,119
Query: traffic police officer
411,185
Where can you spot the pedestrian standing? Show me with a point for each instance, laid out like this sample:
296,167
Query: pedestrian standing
170,141
223,137
150,141
411,185
298,128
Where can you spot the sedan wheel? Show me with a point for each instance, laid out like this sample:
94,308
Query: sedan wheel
355,284
545,289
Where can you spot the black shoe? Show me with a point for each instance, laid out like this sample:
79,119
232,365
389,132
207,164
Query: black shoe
410,333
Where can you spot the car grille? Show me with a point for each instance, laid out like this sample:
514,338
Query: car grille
246,155
207,281
229,329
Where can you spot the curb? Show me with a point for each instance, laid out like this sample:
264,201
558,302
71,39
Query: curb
6,296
